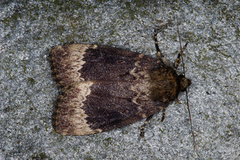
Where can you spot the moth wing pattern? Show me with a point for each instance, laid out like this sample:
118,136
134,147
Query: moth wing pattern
103,88
66,62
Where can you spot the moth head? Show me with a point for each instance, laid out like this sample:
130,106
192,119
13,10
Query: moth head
184,82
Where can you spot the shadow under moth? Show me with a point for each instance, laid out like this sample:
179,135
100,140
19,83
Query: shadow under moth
105,88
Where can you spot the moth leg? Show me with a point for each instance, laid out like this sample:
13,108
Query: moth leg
143,126
179,54
159,54
178,101
163,113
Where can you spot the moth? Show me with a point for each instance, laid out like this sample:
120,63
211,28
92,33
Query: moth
105,88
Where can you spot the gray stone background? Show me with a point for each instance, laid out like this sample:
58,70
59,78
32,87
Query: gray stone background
28,93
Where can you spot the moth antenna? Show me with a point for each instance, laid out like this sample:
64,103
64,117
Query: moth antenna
194,142
181,49
159,54
175,67
143,126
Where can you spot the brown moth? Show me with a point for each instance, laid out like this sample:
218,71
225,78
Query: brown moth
105,88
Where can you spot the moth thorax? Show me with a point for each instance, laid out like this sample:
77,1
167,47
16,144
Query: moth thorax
184,82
